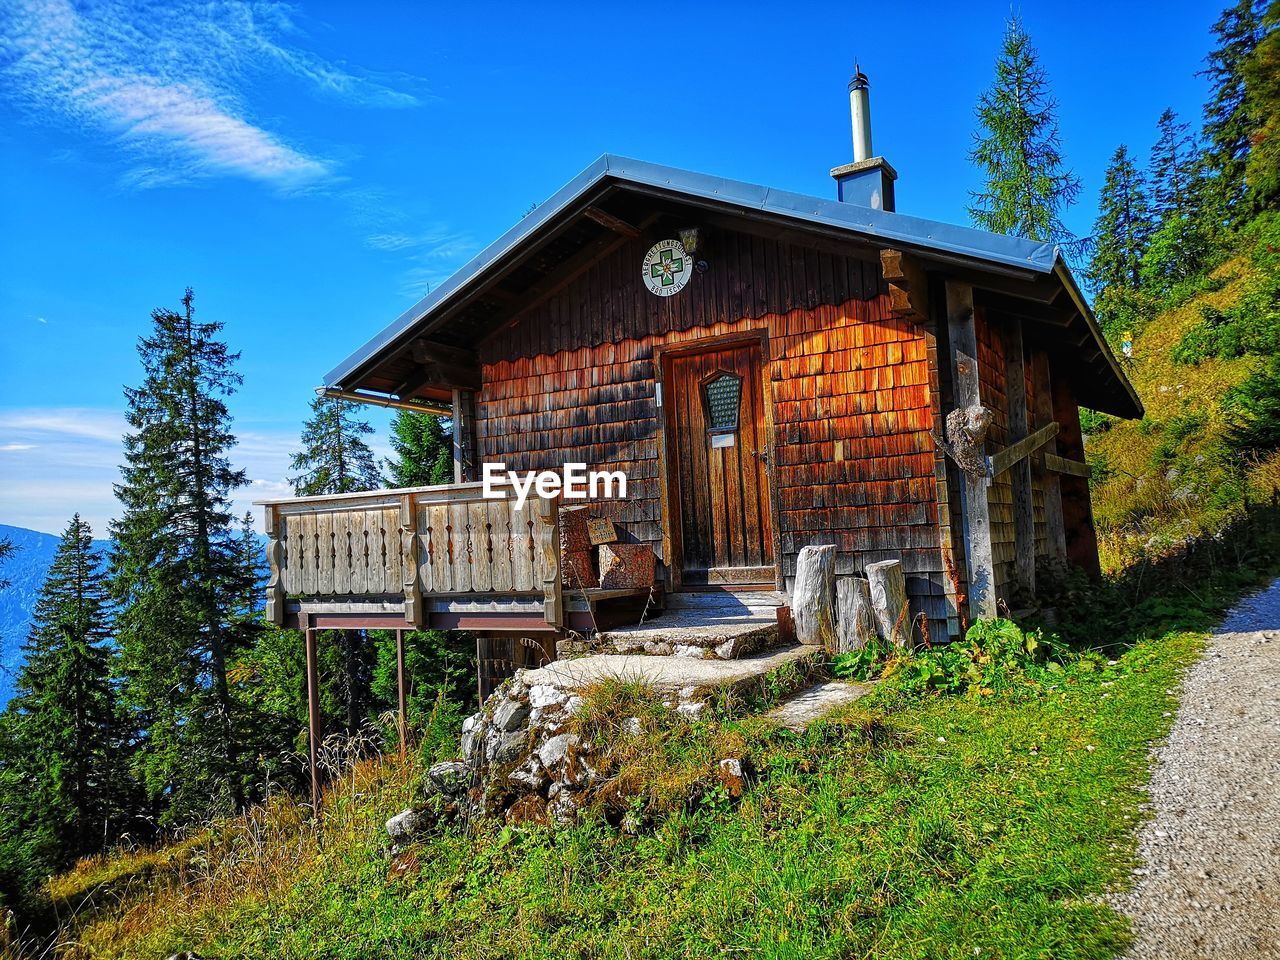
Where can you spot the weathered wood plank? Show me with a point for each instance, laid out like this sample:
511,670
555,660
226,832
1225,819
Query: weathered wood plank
1016,453
1072,468
813,599
888,588
977,515
1055,526
855,619
1024,520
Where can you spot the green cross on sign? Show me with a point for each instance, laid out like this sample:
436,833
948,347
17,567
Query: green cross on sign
666,268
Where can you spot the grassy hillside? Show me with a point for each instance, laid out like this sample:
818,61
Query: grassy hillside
913,824
1178,473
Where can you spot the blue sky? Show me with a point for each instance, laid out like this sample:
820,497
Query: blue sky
311,168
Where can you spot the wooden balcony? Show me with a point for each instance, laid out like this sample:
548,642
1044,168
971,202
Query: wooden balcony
441,557
425,557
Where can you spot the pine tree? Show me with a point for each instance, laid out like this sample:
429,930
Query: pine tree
178,568
1019,150
1174,170
334,457
66,784
1228,123
1123,228
424,452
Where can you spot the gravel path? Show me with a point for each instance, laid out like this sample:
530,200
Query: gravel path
1209,886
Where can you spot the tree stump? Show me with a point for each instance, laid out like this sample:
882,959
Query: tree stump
813,600
889,601
855,620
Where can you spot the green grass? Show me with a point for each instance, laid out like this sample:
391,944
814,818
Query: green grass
905,827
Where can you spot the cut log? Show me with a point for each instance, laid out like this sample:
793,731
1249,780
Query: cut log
855,620
889,601
813,600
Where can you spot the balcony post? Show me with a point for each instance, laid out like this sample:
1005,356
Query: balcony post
549,536
313,718
414,603
275,557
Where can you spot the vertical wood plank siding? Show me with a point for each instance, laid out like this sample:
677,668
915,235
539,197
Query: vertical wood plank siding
574,379
991,373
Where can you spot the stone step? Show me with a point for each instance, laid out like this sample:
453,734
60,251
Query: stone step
723,634
755,600
815,702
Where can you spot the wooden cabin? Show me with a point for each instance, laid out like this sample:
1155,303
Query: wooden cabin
770,370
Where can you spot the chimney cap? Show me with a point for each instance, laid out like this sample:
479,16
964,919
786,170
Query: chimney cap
859,79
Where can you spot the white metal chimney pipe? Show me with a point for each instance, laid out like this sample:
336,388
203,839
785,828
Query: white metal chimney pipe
860,112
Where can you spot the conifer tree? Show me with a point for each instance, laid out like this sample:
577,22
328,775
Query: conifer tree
1262,102
1123,228
336,459
1228,123
423,451
1019,150
6,551
65,783
178,568
1174,170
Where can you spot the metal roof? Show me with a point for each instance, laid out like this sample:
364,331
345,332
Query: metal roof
893,227
1012,256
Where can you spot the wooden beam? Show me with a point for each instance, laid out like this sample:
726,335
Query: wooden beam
428,351
313,718
608,220
1016,453
977,515
1072,468
556,280
402,698
1055,526
549,538
1024,515
908,284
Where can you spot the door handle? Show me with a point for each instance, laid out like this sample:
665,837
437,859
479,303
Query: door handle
761,455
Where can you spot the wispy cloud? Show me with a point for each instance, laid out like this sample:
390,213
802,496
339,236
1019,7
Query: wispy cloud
432,253
79,462
167,81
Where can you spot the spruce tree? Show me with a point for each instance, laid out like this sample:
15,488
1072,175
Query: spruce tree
1173,170
1228,123
335,459
1262,102
6,551
423,450
65,783
1019,150
1123,228
178,568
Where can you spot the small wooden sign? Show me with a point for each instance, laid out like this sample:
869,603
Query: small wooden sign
600,530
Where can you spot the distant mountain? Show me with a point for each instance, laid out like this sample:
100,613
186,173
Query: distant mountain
26,569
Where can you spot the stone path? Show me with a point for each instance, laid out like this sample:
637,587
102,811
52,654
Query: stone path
1209,886
816,702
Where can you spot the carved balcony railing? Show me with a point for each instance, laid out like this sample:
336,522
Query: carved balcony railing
434,556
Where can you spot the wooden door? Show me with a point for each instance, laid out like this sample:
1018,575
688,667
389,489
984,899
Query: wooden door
718,445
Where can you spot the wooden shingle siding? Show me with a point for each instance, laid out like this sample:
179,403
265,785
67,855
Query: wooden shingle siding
852,403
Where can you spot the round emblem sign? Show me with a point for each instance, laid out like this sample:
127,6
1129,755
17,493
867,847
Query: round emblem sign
666,268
